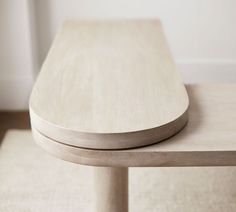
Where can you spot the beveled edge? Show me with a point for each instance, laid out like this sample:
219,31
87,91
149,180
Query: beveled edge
108,141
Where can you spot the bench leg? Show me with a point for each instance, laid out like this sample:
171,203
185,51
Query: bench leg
111,189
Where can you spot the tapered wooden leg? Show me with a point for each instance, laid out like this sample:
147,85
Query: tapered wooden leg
111,189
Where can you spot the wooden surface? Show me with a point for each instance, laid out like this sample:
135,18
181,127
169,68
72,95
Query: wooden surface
109,85
209,139
111,189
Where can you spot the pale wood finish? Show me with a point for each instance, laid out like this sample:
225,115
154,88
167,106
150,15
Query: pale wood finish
111,189
109,85
209,139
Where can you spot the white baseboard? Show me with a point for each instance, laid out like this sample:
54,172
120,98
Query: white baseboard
14,92
207,71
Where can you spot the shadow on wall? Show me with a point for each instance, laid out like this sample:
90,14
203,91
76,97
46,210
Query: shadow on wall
43,28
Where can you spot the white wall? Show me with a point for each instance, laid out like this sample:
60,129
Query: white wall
16,58
201,33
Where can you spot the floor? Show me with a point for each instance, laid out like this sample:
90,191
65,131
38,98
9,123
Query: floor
13,120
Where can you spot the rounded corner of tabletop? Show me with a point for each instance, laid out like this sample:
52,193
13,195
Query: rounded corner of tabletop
109,85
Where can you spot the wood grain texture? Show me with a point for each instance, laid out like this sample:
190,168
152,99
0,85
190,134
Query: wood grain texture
111,189
109,85
209,139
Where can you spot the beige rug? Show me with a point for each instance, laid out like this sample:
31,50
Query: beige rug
33,181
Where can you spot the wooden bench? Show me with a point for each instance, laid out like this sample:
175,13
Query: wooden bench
108,86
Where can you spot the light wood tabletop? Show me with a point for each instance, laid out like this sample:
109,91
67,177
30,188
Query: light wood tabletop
209,139
109,85
112,85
